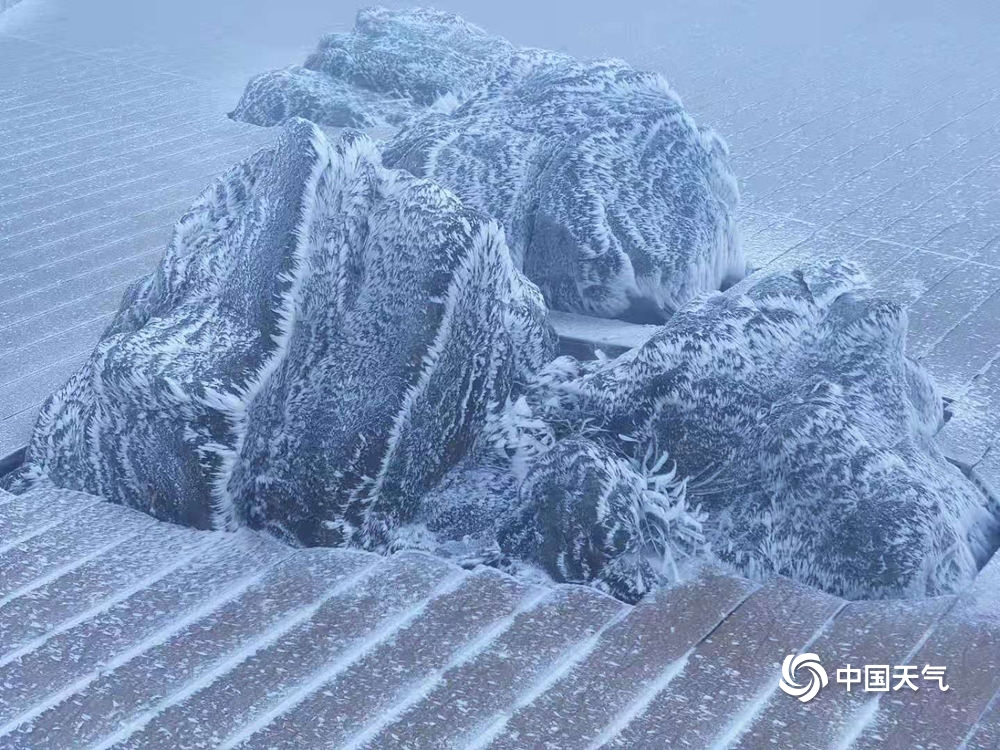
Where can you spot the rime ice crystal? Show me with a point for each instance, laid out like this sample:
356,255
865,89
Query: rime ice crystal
614,201
321,343
804,434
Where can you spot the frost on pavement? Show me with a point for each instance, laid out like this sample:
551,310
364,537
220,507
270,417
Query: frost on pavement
393,64
320,344
803,433
614,201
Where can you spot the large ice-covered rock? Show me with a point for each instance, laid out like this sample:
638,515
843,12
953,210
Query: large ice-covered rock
393,64
803,433
322,342
615,202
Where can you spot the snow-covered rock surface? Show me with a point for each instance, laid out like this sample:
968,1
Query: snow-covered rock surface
802,431
393,64
342,353
614,201
320,344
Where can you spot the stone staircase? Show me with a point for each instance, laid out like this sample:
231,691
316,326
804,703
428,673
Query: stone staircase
117,630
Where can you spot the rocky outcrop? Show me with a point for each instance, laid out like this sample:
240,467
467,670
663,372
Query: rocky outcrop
321,343
615,203
392,65
803,433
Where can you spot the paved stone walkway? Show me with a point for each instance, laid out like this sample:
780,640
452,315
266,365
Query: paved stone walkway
117,630
858,128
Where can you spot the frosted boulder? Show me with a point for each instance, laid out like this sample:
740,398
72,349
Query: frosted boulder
321,343
615,202
393,64
277,96
803,433
588,514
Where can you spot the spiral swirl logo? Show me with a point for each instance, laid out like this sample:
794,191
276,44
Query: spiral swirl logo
805,691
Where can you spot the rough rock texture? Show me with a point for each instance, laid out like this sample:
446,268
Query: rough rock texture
578,509
322,341
393,64
803,432
614,201
277,96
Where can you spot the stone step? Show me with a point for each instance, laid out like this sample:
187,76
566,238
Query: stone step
342,703
864,632
43,672
85,532
124,699
631,657
719,685
462,705
84,583
343,628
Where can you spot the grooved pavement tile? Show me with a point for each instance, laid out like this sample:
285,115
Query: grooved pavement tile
132,692
864,632
15,430
93,527
986,736
44,321
51,349
344,703
987,471
339,629
963,642
975,421
18,395
59,177
467,698
121,172
944,305
62,224
52,308
627,659
66,592
964,351
722,682
69,269
78,652
910,277
37,509
79,247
